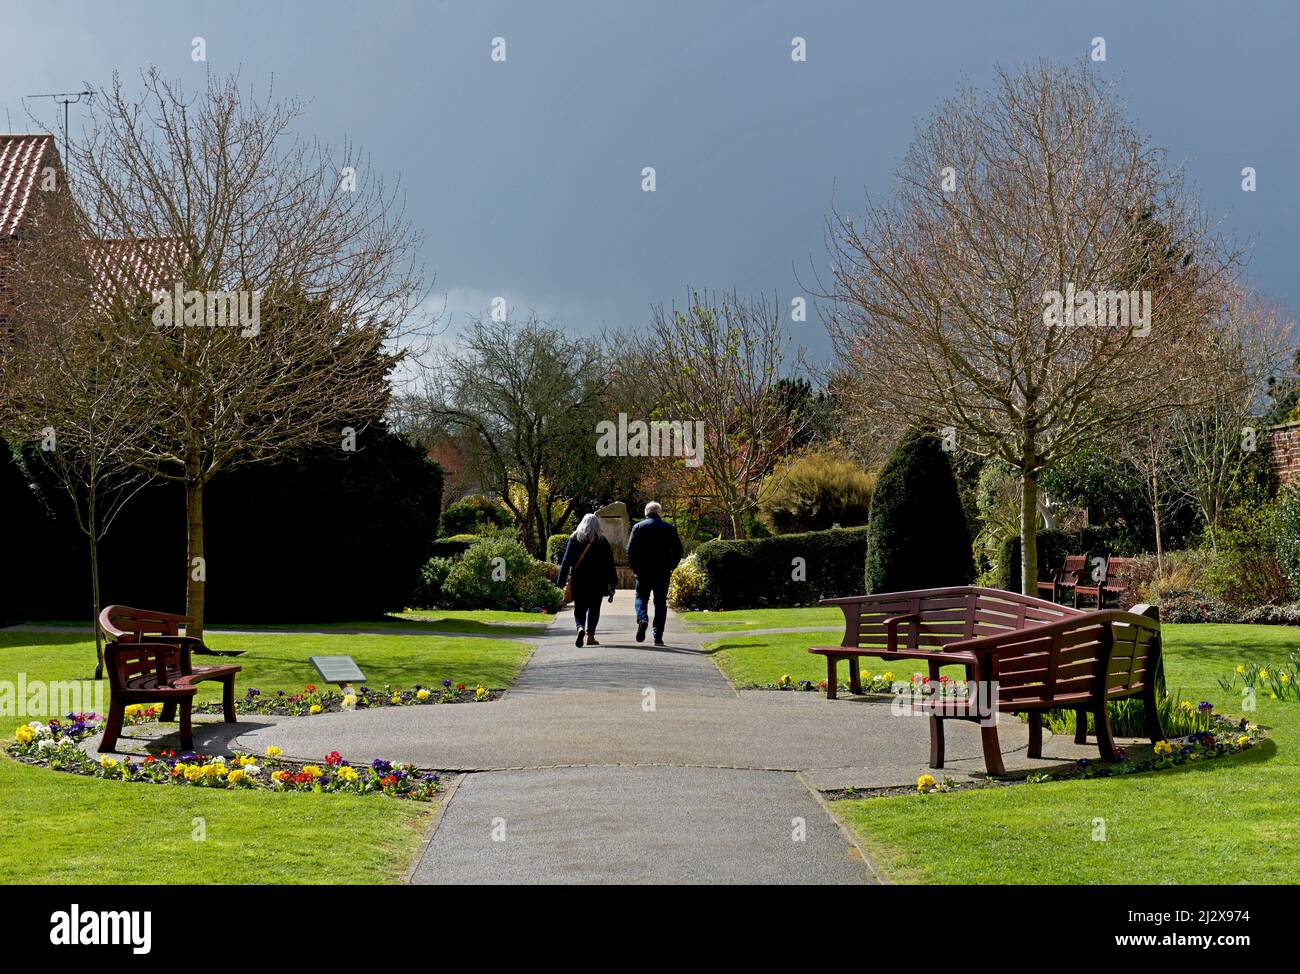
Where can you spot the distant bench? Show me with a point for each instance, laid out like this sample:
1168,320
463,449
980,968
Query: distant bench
147,661
1025,654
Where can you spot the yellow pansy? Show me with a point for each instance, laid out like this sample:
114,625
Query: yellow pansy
347,773
925,782
315,708
273,752
422,695
235,776
24,734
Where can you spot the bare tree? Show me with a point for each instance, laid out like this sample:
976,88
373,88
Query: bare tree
1211,444
524,399
289,277
1038,281
1149,451
721,360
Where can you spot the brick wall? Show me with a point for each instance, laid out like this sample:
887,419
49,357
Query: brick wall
1284,452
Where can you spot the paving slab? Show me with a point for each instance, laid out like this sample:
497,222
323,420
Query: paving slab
638,825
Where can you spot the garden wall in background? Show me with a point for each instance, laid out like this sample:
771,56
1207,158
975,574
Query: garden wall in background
1284,452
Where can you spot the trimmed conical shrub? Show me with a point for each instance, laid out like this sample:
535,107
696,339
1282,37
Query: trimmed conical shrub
917,536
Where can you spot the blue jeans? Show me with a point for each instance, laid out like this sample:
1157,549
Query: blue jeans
658,587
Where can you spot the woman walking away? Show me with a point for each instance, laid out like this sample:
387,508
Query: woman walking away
588,564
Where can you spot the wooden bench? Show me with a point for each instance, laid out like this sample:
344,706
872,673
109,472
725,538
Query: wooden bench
1115,582
148,661
1021,655
1066,577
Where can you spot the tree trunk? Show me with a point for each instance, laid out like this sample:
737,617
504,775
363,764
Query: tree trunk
1029,533
94,587
196,571
1155,513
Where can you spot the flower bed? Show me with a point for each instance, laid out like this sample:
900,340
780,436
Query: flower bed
312,700
1222,737
879,683
56,744
1226,737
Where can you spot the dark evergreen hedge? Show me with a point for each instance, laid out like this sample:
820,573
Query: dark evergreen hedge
917,535
323,535
756,573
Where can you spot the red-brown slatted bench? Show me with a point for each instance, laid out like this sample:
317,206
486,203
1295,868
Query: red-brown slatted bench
148,661
1025,654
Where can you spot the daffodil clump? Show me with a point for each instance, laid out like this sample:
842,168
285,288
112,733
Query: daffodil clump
1269,682
56,744
312,700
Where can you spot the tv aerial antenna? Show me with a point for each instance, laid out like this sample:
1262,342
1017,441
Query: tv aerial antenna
66,99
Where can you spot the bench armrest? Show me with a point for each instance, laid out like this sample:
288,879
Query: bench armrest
891,629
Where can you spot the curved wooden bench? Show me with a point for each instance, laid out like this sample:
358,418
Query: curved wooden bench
148,661
1021,655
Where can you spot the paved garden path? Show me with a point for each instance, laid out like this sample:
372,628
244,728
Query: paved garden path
628,762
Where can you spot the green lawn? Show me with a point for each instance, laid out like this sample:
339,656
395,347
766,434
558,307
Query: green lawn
470,621
750,661
740,620
1233,820
61,828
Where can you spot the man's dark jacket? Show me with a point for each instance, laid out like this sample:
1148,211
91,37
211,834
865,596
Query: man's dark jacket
654,549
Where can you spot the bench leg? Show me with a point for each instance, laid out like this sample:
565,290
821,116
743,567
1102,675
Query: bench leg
168,711
187,731
1081,726
855,675
1035,734
228,698
112,726
936,742
832,676
1105,742
1151,712
992,750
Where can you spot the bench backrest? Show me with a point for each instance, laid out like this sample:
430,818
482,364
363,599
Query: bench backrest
1119,571
1076,661
122,622
946,616
126,660
1072,569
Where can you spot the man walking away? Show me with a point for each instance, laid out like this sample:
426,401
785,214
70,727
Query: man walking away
653,551
588,565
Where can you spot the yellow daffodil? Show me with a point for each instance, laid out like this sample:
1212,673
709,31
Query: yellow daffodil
1240,668
1263,674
